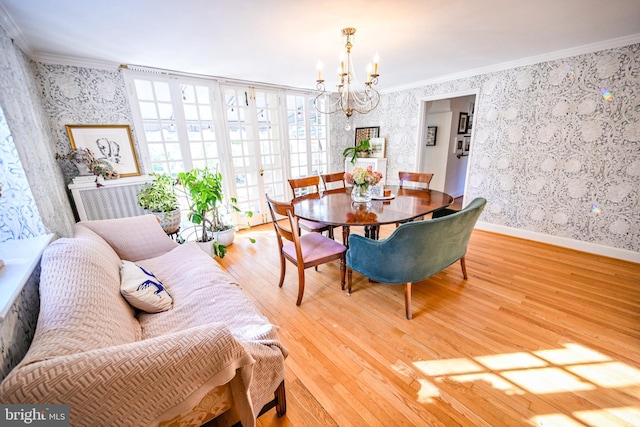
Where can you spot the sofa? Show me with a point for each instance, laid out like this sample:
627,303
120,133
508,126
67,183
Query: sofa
211,355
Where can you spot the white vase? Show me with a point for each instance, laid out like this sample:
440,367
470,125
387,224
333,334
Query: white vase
207,247
225,237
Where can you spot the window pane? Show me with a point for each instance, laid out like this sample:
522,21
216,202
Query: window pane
144,89
162,91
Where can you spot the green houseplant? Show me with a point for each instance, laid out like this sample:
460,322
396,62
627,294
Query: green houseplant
363,148
209,211
159,198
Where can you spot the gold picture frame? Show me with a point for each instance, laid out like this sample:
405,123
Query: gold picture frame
111,143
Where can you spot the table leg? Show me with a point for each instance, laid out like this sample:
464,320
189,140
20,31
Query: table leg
372,231
345,235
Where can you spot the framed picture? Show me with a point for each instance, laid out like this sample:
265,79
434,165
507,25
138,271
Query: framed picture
431,135
458,145
463,122
366,133
112,143
466,145
378,147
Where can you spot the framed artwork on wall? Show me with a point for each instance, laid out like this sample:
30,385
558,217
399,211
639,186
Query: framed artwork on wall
466,145
463,121
378,147
111,143
431,135
366,133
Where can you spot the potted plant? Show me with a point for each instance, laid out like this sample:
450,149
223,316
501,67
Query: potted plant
362,149
209,211
159,198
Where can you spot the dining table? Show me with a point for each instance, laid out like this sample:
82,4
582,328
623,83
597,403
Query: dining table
335,207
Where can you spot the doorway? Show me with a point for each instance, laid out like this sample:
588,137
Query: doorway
446,135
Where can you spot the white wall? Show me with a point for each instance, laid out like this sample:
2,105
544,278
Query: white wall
435,158
456,167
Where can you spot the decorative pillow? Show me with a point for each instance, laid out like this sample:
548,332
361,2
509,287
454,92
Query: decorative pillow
142,289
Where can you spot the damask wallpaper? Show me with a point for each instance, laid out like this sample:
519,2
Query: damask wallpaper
19,217
76,95
556,148
22,106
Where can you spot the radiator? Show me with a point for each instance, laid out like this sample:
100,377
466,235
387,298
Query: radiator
116,199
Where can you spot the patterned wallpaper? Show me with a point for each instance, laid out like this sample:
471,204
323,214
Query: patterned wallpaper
22,106
556,148
19,217
76,95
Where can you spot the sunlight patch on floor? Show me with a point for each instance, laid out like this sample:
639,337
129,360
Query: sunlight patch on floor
571,369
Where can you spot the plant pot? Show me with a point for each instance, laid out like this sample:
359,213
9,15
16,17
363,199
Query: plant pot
207,247
169,221
225,237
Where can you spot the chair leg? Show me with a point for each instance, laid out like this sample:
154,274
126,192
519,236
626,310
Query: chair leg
407,300
300,284
342,271
283,270
349,280
464,268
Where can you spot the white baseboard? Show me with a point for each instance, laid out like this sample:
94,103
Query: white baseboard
564,242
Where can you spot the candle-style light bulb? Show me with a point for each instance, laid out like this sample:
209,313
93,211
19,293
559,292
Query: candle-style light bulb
320,66
376,59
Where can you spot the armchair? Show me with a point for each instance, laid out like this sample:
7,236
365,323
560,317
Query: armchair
415,250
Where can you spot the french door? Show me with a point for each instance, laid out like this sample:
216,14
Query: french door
257,137
254,126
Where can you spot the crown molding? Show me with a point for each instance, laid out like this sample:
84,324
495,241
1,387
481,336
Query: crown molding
13,31
532,60
74,61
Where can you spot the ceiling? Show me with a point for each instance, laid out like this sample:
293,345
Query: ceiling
280,41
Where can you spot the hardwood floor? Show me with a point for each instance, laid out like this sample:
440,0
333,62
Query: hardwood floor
538,335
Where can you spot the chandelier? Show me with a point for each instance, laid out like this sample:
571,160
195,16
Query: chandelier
351,98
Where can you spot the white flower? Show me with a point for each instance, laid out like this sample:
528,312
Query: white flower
548,164
506,183
545,133
560,109
607,66
577,188
619,227
502,163
537,214
560,218
616,193
558,74
631,131
591,131
572,165
535,186
524,80
586,107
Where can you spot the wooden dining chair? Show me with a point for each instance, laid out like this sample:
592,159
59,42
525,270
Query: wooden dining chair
415,250
303,187
331,178
417,177
308,250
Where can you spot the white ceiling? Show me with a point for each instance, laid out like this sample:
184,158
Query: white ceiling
280,41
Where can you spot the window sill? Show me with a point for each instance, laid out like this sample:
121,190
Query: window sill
20,259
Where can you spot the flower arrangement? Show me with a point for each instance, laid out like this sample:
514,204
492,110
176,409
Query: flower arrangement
86,158
362,177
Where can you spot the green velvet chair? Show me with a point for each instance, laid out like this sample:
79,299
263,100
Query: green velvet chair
415,250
